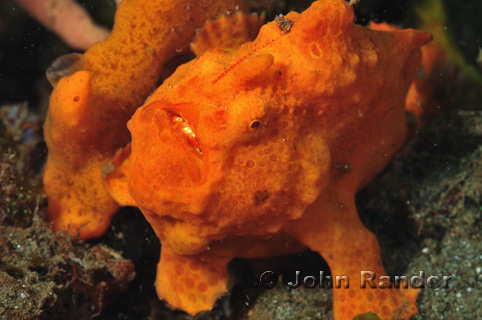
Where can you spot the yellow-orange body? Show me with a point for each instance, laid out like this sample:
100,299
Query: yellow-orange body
260,151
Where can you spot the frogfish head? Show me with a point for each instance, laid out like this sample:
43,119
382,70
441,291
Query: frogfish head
228,162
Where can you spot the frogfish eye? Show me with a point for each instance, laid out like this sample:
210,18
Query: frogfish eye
254,125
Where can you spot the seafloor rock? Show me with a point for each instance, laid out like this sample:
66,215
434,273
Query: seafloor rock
44,275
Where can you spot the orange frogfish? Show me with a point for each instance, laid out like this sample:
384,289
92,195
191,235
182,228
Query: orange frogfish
260,151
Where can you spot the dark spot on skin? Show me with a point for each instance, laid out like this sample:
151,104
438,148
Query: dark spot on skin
283,23
260,197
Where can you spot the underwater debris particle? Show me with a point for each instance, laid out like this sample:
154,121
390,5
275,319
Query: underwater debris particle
283,23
